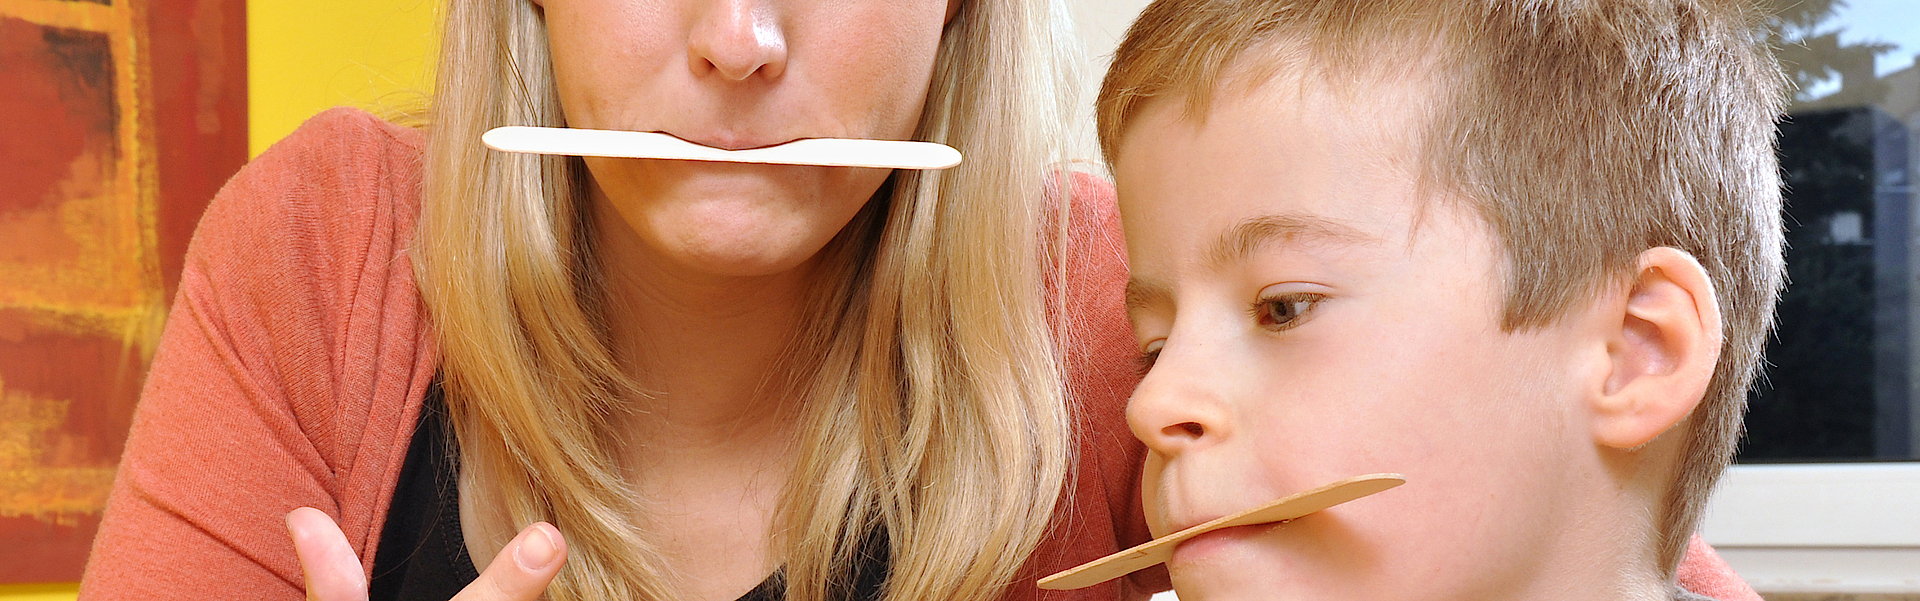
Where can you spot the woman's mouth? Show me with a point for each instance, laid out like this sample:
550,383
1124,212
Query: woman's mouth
732,140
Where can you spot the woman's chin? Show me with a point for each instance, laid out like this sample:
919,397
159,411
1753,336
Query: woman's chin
742,262
744,248
719,237
738,233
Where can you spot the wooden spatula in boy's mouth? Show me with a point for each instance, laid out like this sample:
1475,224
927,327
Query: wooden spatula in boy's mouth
1161,549
827,152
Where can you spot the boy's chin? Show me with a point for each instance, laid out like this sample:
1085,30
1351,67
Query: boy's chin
1220,583
1240,575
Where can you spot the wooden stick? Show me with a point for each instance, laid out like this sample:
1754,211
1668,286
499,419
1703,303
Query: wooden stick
828,152
1159,550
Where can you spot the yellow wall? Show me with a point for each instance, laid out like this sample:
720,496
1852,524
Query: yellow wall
304,56
39,592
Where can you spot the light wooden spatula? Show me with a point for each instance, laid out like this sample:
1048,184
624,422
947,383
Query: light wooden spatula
828,152
1160,549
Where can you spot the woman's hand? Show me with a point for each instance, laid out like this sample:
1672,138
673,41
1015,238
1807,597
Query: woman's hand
520,572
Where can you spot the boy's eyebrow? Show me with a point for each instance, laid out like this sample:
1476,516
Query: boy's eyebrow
1245,238
1143,293
1250,235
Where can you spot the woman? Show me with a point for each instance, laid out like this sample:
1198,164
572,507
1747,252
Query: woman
703,373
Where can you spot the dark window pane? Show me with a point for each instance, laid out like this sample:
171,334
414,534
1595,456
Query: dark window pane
1840,384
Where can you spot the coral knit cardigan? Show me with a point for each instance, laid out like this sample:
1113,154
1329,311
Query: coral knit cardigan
297,354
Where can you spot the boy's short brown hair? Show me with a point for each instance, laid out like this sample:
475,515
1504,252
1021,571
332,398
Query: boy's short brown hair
1583,131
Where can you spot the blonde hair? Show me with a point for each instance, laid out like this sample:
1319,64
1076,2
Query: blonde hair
932,396
1583,132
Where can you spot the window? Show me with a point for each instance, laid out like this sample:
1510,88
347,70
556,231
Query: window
1826,498
1841,384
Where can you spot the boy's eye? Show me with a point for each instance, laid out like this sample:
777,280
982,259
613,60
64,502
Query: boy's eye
1284,311
1144,363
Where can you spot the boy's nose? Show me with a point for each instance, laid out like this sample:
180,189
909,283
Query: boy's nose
1175,410
737,39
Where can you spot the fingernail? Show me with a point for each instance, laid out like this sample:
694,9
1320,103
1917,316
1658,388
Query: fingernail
537,549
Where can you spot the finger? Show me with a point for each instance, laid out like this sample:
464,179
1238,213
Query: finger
331,569
521,571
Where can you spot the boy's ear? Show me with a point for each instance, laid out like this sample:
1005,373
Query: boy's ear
1663,340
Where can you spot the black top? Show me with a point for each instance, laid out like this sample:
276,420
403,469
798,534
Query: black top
423,554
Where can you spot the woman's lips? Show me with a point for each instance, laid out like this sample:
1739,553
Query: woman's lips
732,141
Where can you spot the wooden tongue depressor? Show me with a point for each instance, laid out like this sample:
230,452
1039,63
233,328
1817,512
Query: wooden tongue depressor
1160,549
828,152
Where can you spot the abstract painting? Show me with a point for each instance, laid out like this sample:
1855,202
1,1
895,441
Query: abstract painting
118,121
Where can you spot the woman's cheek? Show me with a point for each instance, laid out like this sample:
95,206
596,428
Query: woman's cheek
881,73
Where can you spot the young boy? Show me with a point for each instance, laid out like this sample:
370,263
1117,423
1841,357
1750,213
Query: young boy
1524,253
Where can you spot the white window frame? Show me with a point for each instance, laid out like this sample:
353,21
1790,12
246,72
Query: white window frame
1820,528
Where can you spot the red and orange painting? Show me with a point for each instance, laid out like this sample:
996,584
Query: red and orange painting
118,121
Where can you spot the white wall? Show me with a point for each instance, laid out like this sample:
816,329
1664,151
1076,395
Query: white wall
1100,24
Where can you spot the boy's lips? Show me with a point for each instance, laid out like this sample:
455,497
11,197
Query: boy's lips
1161,548
1189,520
1212,541
1183,513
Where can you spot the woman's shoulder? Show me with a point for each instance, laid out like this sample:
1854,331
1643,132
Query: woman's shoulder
1093,269
1101,363
1095,242
301,267
290,372
312,209
1103,515
336,166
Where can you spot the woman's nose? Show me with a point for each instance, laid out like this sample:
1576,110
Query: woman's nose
737,39
1179,407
